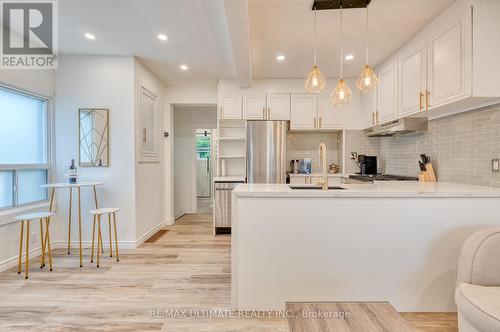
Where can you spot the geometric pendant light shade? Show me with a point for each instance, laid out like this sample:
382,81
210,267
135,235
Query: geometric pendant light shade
367,80
341,95
315,81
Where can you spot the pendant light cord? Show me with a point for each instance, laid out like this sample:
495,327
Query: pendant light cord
315,36
341,46
367,35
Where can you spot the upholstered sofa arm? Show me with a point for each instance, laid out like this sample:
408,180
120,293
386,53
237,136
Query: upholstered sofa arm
479,261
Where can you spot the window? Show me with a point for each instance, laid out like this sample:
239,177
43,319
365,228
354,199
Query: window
203,145
24,161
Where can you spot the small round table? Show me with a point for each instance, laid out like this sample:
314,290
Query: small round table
77,185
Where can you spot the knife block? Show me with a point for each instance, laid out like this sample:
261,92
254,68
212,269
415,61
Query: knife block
428,175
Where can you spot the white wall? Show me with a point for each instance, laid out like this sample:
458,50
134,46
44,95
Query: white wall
40,82
186,120
105,82
149,177
194,93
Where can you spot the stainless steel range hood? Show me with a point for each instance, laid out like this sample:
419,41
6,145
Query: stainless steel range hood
399,127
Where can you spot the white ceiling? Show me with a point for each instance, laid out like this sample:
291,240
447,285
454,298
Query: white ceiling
287,27
202,36
196,30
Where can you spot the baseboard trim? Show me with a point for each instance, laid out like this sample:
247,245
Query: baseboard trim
11,262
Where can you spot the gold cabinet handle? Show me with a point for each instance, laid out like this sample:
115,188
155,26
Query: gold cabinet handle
376,117
427,95
421,102
373,118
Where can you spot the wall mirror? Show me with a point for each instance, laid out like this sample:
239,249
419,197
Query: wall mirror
94,137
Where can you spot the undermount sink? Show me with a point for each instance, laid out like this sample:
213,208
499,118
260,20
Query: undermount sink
316,187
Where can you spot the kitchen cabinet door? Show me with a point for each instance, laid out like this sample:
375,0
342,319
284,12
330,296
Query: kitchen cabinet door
449,54
413,81
369,104
387,94
330,117
254,106
278,106
231,106
304,111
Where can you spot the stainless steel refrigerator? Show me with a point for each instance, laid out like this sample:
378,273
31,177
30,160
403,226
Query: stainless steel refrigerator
266,151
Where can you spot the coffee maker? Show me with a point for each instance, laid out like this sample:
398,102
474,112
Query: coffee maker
367,164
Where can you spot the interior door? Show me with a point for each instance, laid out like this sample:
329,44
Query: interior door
413,78
448,57
387,94
330,116
303,111
254,106
278,105
203,163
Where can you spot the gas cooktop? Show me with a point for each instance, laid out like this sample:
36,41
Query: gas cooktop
381,177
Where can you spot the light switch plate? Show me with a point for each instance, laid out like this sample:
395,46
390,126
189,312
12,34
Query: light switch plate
495,165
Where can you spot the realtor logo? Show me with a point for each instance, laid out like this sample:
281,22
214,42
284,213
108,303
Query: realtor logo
29,34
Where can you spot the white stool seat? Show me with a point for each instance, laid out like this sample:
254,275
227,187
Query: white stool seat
104,211
34,216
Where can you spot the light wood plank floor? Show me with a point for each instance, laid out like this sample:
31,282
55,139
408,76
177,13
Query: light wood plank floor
187,268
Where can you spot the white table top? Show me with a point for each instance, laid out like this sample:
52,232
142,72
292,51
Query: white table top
73,185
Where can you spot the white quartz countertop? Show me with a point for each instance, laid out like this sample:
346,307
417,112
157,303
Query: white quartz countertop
391,189
336,175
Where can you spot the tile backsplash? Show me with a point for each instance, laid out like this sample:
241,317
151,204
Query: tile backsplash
302,145
356,141
461,147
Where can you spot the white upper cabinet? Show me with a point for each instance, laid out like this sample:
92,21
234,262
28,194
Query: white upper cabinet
369,105
278,106
254,106
387,93
231,106
330,117
304,111
413,80
450,52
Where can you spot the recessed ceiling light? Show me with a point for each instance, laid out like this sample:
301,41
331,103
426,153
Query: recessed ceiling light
162,37
89,36
280,57
183,67
349,57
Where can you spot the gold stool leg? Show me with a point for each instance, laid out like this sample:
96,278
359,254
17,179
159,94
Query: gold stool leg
47,235
93,236
20,248
69,218
27,247
110,236
42,241
116,238
98,238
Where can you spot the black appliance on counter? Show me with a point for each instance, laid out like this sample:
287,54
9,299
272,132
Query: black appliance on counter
367,164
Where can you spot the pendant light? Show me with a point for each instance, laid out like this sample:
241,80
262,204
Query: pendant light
315,81
341,95
367,80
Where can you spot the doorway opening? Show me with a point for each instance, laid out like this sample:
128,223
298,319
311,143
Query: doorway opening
204,169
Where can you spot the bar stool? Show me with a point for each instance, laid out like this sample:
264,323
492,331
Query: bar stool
45,240
97,217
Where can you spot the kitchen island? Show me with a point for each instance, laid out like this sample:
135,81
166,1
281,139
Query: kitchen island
387,241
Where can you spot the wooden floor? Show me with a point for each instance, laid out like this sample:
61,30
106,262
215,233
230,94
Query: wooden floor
187,268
